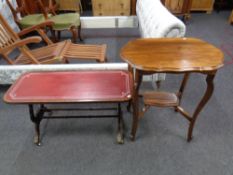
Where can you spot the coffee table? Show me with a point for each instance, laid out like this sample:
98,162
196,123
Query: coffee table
71,87
171,55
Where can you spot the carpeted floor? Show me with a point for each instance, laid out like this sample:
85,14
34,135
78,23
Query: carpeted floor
88,146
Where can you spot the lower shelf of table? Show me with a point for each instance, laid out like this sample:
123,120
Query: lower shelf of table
161,99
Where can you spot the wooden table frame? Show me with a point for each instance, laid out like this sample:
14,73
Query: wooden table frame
191,118
72,87
38,115
176,56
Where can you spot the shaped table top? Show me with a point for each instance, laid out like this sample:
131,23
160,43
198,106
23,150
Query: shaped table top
76,86
172,55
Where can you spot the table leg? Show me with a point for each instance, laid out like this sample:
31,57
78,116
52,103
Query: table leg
181,90
202,103
138,80
36,119
120,131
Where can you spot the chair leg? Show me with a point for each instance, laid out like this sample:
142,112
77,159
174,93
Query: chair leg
59,35
79,33
53,34
74,33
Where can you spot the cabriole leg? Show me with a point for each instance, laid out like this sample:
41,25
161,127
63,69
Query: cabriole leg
204,100
138,79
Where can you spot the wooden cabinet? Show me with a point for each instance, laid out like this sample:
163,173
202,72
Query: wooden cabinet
174,6
111,8
179,7
202,5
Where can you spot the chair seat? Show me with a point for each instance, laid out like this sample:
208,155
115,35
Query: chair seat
31,20
65,21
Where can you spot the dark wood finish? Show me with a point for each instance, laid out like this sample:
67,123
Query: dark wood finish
71,87
31,6
176,55
133,7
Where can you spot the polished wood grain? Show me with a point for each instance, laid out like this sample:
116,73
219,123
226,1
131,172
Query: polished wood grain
111,8
162,99
172,55
202,5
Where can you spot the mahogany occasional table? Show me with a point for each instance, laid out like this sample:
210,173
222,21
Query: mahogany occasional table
71,87
171,55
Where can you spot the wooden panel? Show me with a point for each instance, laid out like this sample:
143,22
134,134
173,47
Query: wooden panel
111,8
231,18
174,6
202,5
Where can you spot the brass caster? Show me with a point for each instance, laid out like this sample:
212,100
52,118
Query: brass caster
37,141
120,139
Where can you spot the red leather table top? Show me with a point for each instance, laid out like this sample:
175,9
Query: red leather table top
62,87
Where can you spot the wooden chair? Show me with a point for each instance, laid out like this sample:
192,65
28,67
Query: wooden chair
66,21
53,52
27,19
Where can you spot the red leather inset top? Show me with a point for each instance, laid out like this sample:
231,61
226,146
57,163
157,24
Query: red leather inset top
80,86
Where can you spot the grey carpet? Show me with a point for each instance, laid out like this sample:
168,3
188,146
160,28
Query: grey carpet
88,146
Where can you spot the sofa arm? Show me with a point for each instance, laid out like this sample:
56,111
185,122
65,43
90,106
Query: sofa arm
155,21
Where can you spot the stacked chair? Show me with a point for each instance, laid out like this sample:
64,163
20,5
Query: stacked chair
62,22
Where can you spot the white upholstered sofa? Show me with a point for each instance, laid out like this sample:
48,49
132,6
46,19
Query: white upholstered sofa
155,21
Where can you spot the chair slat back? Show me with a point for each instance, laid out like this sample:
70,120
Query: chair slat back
7,34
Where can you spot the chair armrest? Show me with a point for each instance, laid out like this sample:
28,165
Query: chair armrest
23,42
39,30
